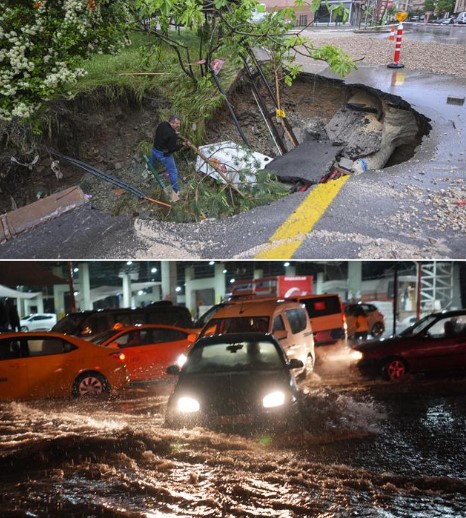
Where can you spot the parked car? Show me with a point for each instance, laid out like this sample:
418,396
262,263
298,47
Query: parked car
149,348
461,17
235,380
49,365
38,322
375,319
447,21
327,317
287,321
435,343
87,324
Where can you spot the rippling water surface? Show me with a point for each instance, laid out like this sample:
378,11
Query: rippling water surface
370,450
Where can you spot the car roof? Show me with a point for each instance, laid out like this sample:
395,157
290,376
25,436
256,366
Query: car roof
140,327
255,307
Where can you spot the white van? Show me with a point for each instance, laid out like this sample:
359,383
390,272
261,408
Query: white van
461,18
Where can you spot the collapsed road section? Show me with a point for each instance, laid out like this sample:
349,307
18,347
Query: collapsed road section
368,130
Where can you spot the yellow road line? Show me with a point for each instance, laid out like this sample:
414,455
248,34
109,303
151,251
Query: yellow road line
290,235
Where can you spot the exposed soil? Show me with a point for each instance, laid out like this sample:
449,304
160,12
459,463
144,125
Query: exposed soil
111,136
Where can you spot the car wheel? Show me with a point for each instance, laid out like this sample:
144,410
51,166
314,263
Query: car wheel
24,328
90,384
377,329
395,369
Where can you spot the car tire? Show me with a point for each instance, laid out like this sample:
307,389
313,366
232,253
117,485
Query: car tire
24,329
377,329
395,369
90,384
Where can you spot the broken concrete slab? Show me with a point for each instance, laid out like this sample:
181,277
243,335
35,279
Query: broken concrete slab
306,163
361,132
27,217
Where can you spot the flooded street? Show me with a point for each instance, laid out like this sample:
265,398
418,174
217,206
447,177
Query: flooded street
370,449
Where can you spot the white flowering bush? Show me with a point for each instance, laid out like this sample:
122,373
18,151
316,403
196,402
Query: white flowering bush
43,43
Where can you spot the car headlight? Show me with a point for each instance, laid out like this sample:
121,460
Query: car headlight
356,355
274,399
188,405
181,360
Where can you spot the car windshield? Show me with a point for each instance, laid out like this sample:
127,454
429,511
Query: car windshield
419,326
233,357
205,317
218,326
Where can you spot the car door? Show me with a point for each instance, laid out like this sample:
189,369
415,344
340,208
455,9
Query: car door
13,370
164,347
439,350
150,351
49,366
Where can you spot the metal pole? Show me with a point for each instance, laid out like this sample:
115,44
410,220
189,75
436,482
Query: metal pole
71,286
395,297
230,109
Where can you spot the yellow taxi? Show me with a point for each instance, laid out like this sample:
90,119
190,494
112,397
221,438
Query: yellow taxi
48,365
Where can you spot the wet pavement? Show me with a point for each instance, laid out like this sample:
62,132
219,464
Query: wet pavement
413,210
370,449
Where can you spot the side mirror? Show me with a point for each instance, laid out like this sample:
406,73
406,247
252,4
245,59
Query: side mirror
295,364
173,370
114,345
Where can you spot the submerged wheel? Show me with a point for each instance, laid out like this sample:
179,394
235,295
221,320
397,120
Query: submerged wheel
377,329
90,384
395,369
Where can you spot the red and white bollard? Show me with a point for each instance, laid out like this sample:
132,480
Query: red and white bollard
396,58
392,33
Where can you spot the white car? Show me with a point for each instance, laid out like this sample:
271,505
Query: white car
38,322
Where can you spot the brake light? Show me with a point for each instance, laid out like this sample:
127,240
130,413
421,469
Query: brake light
119,356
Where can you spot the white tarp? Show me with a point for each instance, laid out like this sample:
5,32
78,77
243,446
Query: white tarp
14,294
238,163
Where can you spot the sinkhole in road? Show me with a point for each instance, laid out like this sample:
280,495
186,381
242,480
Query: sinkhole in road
339,129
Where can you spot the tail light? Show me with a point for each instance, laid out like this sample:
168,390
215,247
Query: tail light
119,356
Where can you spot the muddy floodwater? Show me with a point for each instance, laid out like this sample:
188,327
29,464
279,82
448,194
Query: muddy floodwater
370,449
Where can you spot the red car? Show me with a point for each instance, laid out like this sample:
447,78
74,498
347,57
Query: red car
435,343
149,348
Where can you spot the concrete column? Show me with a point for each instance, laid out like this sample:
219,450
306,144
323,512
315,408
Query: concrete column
126,288
85,287
258,274
219,282
59,291
189,289
354,280
169,280
319,282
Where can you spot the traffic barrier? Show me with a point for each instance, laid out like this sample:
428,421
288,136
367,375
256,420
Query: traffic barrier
396,58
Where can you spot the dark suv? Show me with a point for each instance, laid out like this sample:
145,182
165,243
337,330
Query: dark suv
86,324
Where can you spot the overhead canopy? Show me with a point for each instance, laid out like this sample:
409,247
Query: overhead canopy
27,273
14,294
